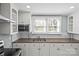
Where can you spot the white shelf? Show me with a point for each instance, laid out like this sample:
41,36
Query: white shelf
4,19
14,33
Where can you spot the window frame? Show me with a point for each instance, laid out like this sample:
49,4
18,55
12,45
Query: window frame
60,17
46,18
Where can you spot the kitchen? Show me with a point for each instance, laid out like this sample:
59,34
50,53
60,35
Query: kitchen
40,29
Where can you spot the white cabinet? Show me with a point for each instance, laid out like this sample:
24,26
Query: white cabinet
24,17
64,49
34,49
39,49
5,10
19,45
71,24
9,11
75,46
48,49
44,49
56,49
27,49
24,47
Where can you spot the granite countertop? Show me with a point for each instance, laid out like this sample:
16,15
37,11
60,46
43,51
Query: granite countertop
46,40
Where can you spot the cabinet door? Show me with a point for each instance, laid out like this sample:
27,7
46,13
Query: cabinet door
24,18
44,49
26,49
19,45
34,49
57,50
75,46
51,49
60,49
54,49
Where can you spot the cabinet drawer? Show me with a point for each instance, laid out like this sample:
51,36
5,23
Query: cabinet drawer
18,45
62,45
15,46
74,45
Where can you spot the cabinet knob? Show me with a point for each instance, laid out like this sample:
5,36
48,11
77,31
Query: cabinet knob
24,44
34,45
54,45
63,45
58,48
76,48
38,48
43,44
16,45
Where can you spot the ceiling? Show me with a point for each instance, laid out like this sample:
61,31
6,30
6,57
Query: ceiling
49,8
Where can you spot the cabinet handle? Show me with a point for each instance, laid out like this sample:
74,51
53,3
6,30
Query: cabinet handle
38,48
15,45
34,45
43,44
58,48
54,45
24,45
76,48
71,44
62,45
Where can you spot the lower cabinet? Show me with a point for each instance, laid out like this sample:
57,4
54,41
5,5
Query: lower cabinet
64,49
44,49
24,47
48,49
59,49
75,46
34,49
39,49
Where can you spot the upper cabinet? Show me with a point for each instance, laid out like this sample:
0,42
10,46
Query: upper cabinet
70,24
24,17
9,11
5,10
73,21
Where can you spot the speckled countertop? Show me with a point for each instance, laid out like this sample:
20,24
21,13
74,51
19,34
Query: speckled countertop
46,40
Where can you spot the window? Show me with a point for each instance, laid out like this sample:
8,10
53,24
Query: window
40,25
46,25
54,24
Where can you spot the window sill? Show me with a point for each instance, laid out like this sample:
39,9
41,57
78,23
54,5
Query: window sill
47,33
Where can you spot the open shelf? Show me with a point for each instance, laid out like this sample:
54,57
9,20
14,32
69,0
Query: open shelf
4,19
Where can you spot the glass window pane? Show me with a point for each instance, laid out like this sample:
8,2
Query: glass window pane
54,25
40,26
